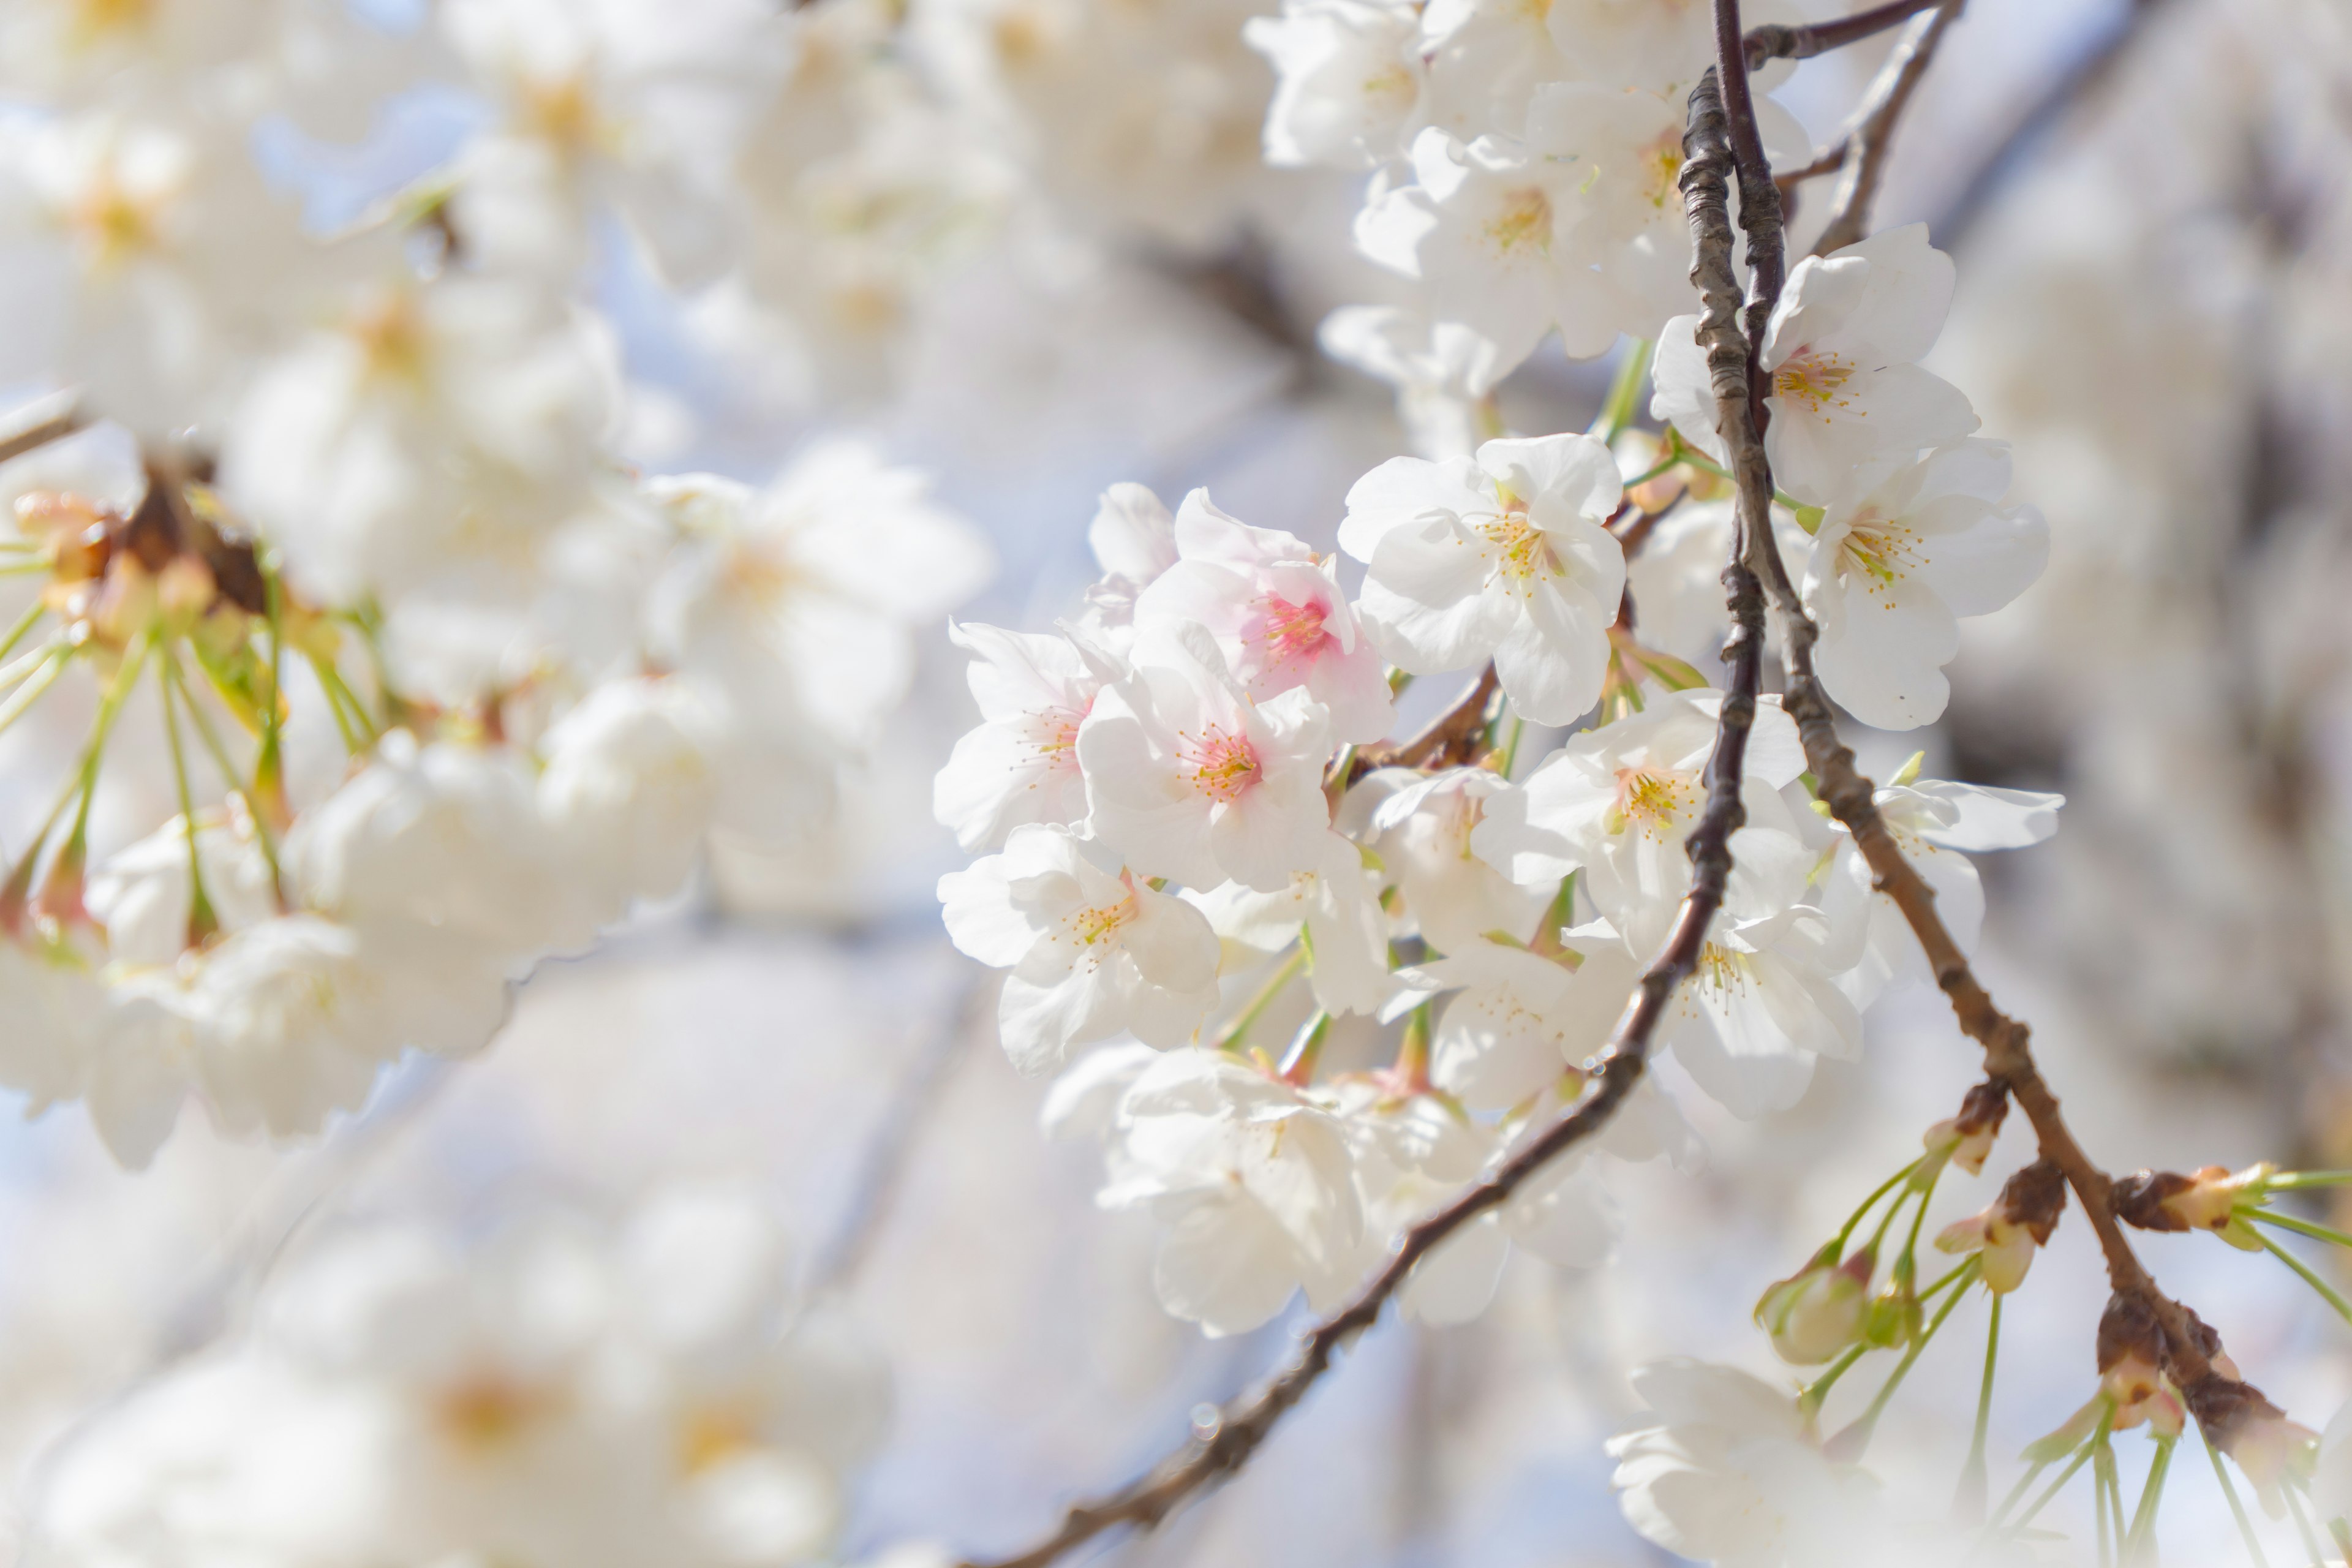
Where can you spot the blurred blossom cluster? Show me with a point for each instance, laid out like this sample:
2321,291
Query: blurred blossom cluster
561,522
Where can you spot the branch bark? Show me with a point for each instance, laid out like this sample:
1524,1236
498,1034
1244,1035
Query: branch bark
1775,42
1245,1425
1452,739
2189,1346
1872,139
45,422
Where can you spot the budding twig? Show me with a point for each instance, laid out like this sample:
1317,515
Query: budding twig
1851,797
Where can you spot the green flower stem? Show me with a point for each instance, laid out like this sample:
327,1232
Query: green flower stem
1974,1477
2300,1226
1511,746
2290,1181
1868,1423
1668,461
1700,460
2237,1509
23,626
1624,391
2025,1483
2107,1495
51,663
2096,1440
202,920
109,706
1819,1389
229,777
1926,1193
2151,1492
28,663
2102,1465
1229,1037
2303,1524
2327,1292
1298,1062
266,763
1947,1282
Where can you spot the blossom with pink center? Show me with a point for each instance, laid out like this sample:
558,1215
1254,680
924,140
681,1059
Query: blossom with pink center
1191,779
1276,612
1021,764
1094,952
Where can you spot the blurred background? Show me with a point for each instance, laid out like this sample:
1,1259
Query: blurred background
1092,278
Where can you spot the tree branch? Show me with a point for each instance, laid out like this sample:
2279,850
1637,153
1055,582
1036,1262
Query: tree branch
1452,739
1611,1077
41,424
2187,1346
1871,137
1775,42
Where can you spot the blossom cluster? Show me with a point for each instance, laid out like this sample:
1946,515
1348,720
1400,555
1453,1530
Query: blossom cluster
1187,810
351,665
561,1393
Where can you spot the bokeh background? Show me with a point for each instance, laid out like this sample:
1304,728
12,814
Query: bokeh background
2148,208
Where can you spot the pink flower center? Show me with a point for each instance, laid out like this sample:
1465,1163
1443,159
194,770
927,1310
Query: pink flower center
1057,743
1292,631
1220,764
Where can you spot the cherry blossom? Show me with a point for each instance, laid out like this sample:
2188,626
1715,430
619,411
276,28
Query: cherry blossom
1349,80
1502,556
1094,951
1191,779
1020,764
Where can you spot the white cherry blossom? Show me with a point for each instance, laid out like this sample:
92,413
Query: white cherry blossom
1615,804
1421,827
1349,80
1486,228
1094,952
1764,1005
1897,558
1020,763
1502,556
1334,909
1278,613
1133,537
1842,352
1254,1183
1520,1019
629,788
1190,779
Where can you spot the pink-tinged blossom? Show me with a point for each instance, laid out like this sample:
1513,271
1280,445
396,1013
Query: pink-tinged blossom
1278,613
1501,556
1190,779
1094,951
1020,764
1840,352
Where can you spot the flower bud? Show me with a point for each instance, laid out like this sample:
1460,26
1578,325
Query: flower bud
1895,1317
1819,1311
2068,1435
2007,1232
2206,1200
2242,1423
1968,1137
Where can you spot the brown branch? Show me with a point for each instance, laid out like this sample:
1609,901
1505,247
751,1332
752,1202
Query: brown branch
1872,139
1774,42
55,424
2189,1346
1452,739
1245,1424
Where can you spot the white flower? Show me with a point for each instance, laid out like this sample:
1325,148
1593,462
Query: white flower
1278,613
1192,780
1840,352
1092,951
446,421
1937,825
1335,909
1256,1185
1134,540
796,601
1421,832
1020,762
1520,1020
1413,1154
1718,1467
1763,1003
1485,58
447,836
1896,558
1486,228
628,789
1439,369
1616,805
144,893
1503,556
1347,80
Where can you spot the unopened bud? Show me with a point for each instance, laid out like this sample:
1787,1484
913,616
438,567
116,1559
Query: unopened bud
2068,1435
2241,1422
1968,1137
1819,1311
2007,1232
2207,1199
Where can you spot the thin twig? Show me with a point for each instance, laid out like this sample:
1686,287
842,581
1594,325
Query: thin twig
1224,1447
1873,136
2217,1401
50,422
1774,42
1452,739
